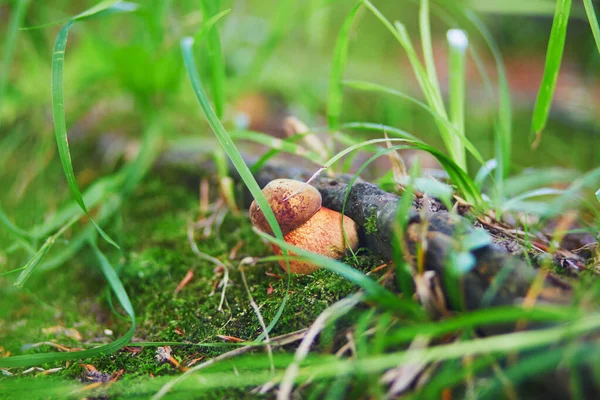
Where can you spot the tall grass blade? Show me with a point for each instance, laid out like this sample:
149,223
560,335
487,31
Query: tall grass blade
425,30
12,228
373,290
215,57
429,88
41,254
457,175
58,105
92,196
591,14
16,20
208,24
458,42
554,53
373,87
513,7
229,147
338,64
503,125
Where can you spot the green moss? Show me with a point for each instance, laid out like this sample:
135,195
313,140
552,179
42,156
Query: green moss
371,223
156,257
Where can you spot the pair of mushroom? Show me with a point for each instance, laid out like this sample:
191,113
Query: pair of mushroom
305,223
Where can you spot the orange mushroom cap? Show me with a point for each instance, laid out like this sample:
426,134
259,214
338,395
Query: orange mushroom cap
293,203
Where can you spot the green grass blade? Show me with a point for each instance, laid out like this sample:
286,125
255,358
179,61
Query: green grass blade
149,151
372,126
223,137
16,20
215,56
373,290
98,8
425,30
114,281
443,122
485,317
58,111
208,24
591,14
404,273
257,166
515,7
338,64
401,35
503,126
12,228
92,196
430,90
287,145
118,289
457,175
458,42
41,254
106,7
229,147
554,53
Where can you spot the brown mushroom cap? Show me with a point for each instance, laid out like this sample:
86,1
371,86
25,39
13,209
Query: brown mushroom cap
293,203
322,234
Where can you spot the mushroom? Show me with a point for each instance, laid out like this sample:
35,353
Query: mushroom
304,223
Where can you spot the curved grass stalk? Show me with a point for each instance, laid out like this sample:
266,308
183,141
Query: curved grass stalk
234,155
447,125
551,69
58,105
464,183
338,64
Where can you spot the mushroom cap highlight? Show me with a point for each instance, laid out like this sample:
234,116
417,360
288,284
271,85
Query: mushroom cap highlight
293,203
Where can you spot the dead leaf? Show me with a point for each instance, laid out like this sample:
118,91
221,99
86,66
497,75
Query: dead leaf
230,339
186,279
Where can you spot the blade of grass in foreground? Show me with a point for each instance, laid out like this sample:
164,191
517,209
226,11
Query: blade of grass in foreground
425,30
456,134
515,7
458,42
340,55
16,20
58,104
117,287
215,56
41,254
553,59
233,153
591,14
457,175
373,290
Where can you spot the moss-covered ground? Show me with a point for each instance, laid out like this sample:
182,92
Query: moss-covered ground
156,255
